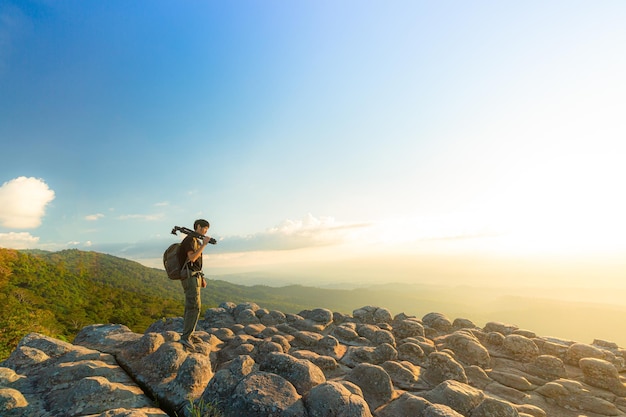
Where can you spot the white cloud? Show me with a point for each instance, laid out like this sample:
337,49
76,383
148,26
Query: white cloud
294,234
22,240
23,202
94,217
162,204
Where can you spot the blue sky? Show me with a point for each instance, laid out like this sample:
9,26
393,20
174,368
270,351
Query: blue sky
316,132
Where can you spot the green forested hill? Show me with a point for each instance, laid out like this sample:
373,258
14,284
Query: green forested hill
58,293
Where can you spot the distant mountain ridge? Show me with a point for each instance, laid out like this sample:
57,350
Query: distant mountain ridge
58,293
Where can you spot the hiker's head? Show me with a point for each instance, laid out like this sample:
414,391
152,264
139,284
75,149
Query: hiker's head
200,224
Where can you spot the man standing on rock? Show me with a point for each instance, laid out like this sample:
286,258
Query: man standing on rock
190,256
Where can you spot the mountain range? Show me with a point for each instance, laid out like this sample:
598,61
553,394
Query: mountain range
58,293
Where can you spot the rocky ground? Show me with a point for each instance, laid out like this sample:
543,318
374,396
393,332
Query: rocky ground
248,361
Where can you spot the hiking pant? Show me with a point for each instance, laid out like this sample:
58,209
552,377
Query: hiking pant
191,285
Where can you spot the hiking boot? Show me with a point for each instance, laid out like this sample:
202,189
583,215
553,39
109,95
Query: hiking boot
186,343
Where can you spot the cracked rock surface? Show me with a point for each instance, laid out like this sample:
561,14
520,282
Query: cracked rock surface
250,361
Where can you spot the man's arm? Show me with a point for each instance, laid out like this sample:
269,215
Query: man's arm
192,256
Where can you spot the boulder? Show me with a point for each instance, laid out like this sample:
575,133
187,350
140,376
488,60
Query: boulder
374,382
251,361
301,373
317,319
459,396
47,374
272,318
577,351
602,374
502,328
520,347
372,315
440,410
573,395
221,387
406,404
404,374
548,367
409,327
332,399
492,407
438,322
441,367
467,349
411,352
263,394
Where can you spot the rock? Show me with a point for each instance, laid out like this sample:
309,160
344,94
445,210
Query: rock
325,363
411,352
273,318
438,322
547,367
346,332
572,395
406,404
11,401
577,351
262,394
372,315
404,374
239,308
170,373
492,407
332,399
442,367
528,410
467,349
602,374
383,337
384,352
503,329
460,397
251,361
440,410
48,374
302,373
8,376
306,338
477,377
358,354
218,317
374,382
507,393
460,323
409,327
221,387
520,347
245,316
317,319
512,380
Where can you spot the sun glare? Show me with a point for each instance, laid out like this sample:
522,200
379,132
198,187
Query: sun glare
571,204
